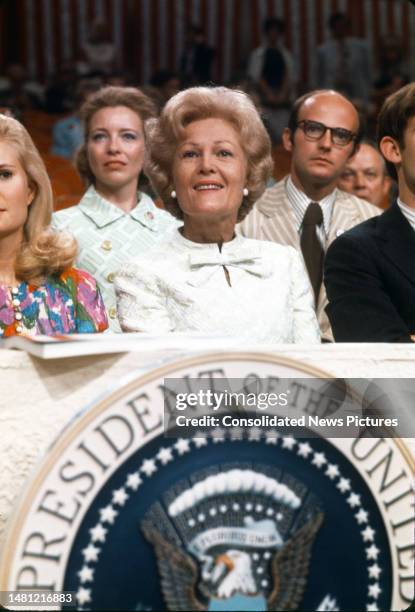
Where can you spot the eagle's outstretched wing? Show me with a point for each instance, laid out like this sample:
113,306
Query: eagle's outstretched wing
178,573
290,567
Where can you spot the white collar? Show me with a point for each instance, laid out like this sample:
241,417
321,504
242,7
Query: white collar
300,201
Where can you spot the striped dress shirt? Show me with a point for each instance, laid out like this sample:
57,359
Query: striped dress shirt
300,201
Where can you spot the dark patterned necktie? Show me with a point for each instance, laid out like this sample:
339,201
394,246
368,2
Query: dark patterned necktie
311,247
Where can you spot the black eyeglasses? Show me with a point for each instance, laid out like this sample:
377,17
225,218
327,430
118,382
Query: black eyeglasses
314,130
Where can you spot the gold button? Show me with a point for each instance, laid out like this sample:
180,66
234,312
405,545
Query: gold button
112,312
18,316
16,302
19,329
15,290
110,277
106,245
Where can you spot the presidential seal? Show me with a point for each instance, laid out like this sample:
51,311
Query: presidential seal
128,518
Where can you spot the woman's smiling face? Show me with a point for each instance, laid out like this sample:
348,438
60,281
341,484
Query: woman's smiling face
209,170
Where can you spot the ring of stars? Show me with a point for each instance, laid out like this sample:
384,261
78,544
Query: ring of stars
108,514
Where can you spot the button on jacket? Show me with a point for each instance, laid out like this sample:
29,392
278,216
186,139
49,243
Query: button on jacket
107,237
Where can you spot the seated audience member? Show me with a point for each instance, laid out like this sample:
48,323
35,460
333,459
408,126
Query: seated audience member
370,270
271,68
343,62
196,62
40,293
163,85
305,210
67,135
17,92
6,111
209,160
99,52
393,71
117,79
114,220
61,88
365,175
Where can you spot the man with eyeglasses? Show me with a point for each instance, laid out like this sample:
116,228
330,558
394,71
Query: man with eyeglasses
306,210
370,270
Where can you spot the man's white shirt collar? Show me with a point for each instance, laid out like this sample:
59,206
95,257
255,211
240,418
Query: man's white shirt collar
408,213
300,201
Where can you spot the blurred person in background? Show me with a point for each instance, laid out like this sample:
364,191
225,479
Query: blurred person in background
18,93
61,88
99,53
117,79
393,71
114,220
369,270
196,62
163,85
271,68
40,291
306,209
67,134
343,62
365,175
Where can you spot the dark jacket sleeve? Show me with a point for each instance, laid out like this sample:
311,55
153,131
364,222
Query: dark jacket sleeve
360,308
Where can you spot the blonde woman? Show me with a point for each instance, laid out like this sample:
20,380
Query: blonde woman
40,291
114,220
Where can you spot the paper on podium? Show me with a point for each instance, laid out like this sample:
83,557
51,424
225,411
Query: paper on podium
55,347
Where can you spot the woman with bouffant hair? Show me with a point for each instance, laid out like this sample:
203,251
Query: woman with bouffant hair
40,292
233,107
114,220
209,158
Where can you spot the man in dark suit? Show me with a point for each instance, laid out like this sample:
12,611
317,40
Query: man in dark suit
370,270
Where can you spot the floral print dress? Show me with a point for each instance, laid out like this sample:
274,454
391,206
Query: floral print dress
64,304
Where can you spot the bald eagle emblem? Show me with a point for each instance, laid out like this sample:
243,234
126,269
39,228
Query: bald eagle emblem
236,540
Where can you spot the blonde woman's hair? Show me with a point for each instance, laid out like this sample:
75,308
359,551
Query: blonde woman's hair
164,135
109,96
43,252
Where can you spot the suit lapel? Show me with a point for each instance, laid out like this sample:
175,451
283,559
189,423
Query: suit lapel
344,216
280,224
396,240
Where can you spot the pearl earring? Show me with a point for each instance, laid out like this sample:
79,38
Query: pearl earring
245,192
173,194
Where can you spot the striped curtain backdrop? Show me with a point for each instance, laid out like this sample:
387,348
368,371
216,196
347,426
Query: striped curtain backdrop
149,34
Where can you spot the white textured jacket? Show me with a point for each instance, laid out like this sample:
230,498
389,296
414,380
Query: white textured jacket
182,286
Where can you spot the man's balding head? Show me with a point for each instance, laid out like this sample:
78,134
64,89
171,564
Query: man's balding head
323,133
315,97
